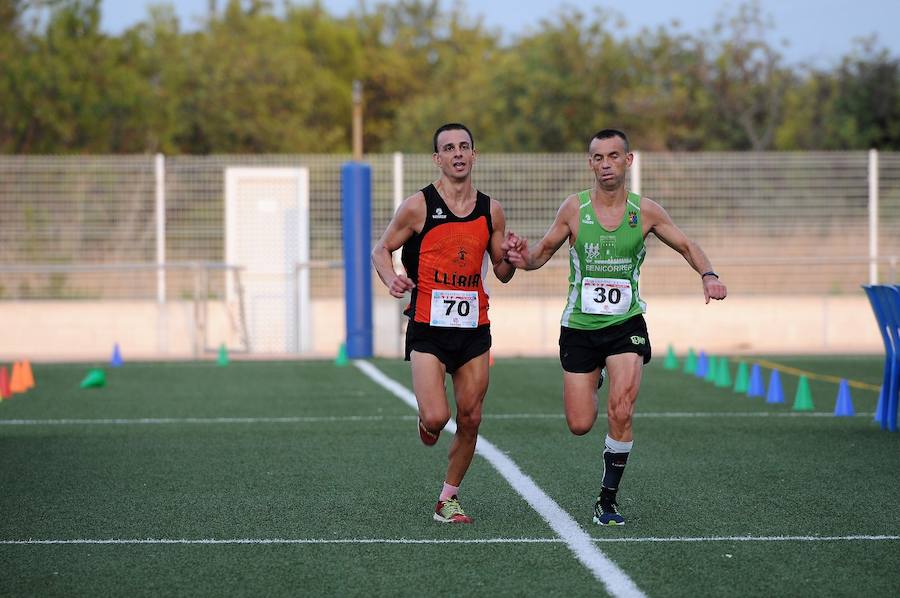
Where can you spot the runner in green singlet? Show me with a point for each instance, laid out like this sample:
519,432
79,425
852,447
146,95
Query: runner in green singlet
602,325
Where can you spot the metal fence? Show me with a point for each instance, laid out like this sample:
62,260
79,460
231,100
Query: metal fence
820,223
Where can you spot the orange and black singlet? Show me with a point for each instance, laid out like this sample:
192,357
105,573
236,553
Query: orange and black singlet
447,261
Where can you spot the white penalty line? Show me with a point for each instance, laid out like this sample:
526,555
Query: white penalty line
651,539
615,580
156,421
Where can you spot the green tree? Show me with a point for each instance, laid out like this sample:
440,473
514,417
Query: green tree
857,106
257,83
667,105
71,88
251,80
542,93
808,110
867,101
12,50
744,77
565,83
451,59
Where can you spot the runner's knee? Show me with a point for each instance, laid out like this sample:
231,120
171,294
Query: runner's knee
434,420
620,411
579,426
468,419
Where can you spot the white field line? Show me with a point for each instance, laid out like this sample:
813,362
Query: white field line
193,420
676,539
155,421
615,580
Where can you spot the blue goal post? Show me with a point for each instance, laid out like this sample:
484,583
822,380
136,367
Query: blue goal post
356,224
885,300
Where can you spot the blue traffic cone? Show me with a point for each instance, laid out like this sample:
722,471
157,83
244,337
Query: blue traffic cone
702,365
116,360
878,418
756,388
843,406
775,393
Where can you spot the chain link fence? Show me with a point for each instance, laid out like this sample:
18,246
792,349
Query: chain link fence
774,224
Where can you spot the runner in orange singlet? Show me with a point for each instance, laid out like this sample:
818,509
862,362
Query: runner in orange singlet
450,233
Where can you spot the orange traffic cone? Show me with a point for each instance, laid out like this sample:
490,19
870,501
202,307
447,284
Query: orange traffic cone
5,393
17,384
27,375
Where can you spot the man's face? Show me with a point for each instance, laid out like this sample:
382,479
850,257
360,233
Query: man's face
609,161
455,155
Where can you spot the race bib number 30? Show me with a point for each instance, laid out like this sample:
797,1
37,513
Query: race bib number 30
605,296
454,309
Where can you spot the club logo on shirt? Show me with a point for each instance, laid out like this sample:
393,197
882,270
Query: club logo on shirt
632,218
460,271
586,219
438,214
608,247
603,256
459,258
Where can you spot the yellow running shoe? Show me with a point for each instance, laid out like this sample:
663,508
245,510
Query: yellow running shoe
449,511
427,438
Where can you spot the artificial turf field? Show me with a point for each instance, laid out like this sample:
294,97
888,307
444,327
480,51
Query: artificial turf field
306,478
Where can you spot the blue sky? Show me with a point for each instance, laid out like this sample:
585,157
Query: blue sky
818,31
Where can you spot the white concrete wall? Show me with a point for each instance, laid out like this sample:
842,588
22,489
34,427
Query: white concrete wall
83,330
738,325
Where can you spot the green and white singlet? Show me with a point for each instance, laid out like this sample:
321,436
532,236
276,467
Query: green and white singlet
604,267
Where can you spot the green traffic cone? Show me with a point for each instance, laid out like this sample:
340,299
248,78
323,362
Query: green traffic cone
223,355
723,374
690,362
803,399
671,362
711,371
94,379
742,378
341,359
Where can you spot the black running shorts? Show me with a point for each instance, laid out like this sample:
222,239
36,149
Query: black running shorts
452,346
582,351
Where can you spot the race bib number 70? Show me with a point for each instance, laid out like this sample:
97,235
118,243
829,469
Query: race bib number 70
454,309
605,296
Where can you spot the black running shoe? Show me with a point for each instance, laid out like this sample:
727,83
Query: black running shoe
606,512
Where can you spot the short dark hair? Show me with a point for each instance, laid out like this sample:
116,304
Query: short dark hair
609,134
452,127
